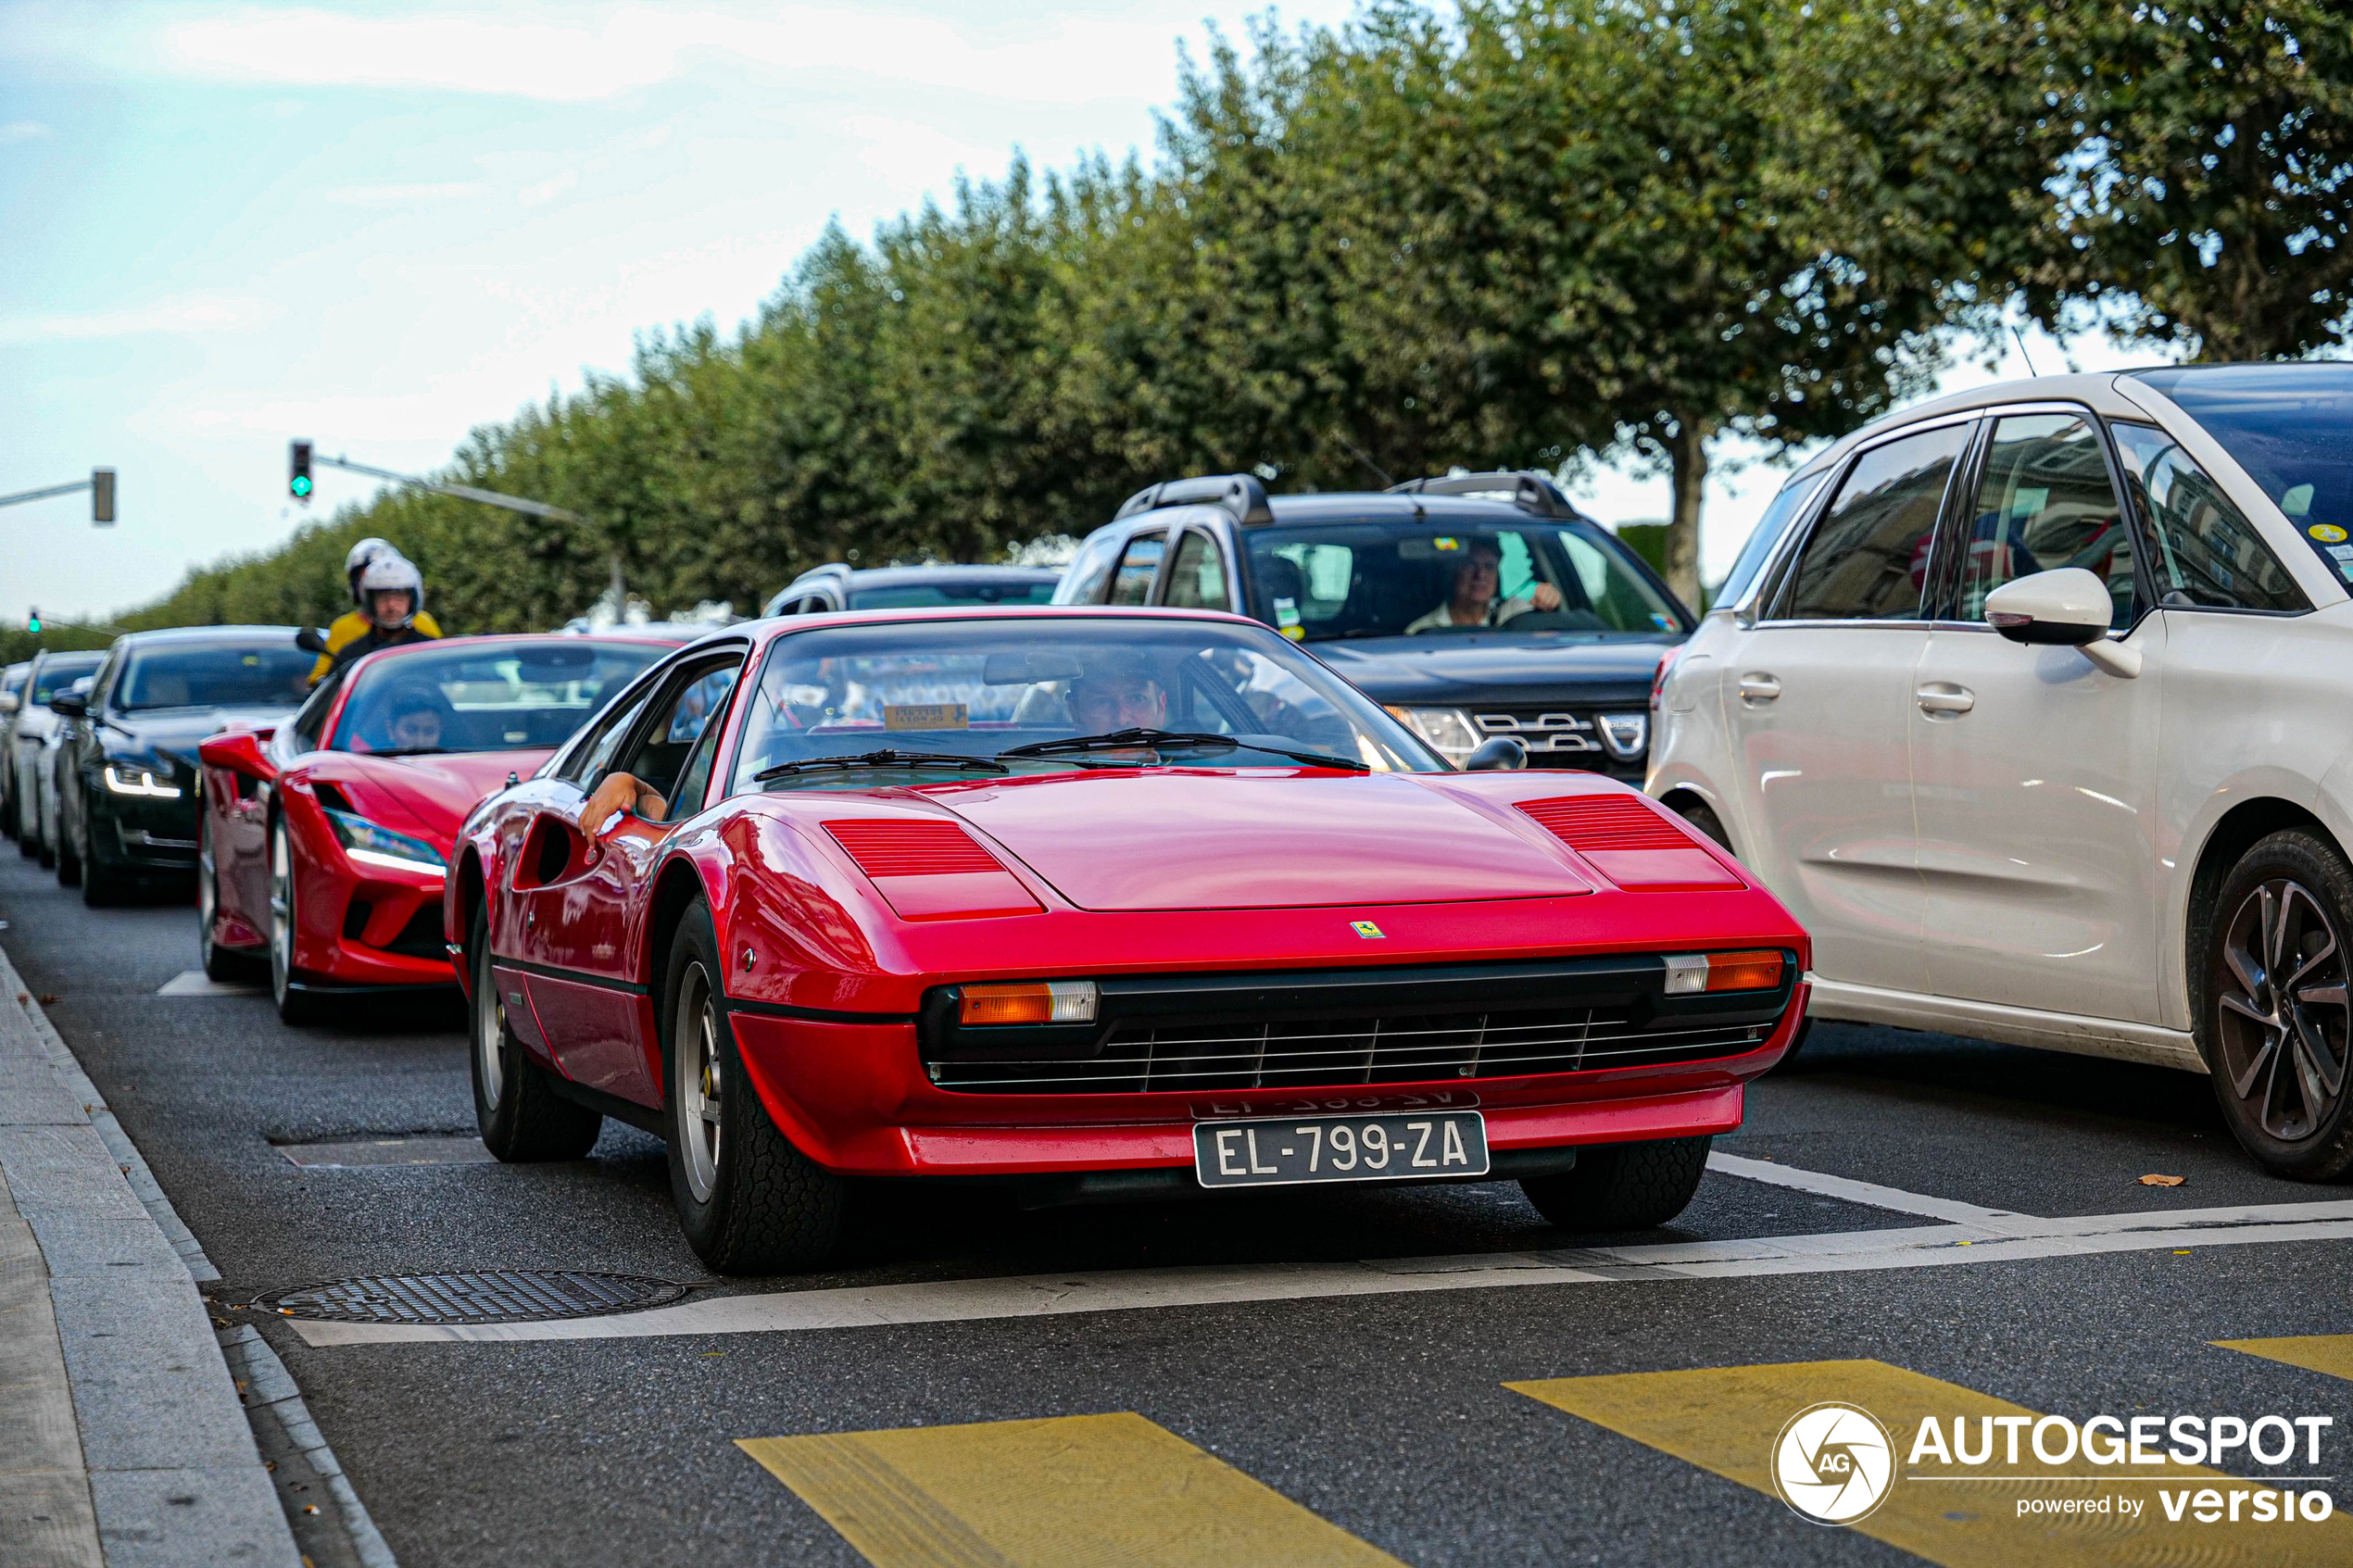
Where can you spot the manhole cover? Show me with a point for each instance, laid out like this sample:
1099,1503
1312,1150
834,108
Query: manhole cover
494,1296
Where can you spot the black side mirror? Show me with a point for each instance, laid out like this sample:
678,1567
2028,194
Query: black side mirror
73,705
1502,754
309,641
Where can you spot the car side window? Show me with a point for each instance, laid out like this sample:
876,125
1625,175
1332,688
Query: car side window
592,758
2207,554
684,711
1196,577
311,719
1869,556
2046,502
1132,585
1090,572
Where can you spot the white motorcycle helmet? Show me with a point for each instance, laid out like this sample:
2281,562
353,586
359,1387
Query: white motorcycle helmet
359,556
390,573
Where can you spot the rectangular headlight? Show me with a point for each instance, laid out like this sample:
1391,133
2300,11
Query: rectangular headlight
1034,1001
1448,730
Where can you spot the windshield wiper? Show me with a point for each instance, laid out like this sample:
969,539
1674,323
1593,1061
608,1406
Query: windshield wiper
411,751
1125,740
883,759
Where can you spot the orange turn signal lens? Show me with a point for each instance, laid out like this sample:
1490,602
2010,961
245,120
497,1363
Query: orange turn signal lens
1042,1001
1757,971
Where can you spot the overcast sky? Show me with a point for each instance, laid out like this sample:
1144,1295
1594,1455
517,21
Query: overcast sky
378,226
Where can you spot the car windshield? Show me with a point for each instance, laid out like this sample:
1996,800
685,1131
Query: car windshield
59,675
983,688
2291,428
922,596
484,695
271,674
1378,579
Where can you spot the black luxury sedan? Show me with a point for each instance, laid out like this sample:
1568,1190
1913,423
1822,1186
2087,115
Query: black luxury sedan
126,773
1473,607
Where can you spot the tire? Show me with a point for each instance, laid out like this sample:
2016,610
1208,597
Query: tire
1703,817
521,1117
103,884
2277,1047
223,964
295,1007
749,1202
68,862
1622,1186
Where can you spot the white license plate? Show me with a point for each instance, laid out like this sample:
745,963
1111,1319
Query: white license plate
1394,1145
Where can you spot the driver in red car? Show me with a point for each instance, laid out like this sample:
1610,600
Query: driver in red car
1111,698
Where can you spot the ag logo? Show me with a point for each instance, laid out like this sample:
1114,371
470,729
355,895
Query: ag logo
1833,1464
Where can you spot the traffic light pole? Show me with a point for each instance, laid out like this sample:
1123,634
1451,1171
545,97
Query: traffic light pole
101,487
463,492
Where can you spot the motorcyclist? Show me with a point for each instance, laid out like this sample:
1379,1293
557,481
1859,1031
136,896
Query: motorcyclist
355,623
392,595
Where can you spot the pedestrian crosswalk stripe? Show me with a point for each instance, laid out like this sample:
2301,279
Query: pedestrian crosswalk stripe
1724,1420
1053,1493
2330,1354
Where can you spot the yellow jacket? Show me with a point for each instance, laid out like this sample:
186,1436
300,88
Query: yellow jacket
349,628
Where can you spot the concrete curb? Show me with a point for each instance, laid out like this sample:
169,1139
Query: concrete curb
173,1475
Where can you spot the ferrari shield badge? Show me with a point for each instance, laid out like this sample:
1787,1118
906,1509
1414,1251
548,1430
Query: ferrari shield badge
1365,929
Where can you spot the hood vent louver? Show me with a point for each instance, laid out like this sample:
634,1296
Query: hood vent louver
901,846
1634,844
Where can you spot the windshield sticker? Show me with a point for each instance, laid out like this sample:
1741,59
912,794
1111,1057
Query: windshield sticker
2327,533
925,716
1286,612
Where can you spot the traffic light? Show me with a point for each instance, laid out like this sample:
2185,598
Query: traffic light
102,495
32,622
298,471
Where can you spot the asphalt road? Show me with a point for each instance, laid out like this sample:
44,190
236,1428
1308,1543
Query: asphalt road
1385,1415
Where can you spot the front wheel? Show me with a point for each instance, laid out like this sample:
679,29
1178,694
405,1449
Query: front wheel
520,1115
296,1006
1622,1186
2275,1019
749,1202
64,857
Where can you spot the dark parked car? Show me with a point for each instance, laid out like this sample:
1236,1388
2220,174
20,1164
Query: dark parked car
127,773
31,740
837,586
1472,606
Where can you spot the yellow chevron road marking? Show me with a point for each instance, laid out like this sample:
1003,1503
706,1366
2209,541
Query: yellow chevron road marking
2330,1353
1726,1419
1065,1492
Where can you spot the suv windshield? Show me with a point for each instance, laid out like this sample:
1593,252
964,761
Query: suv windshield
271,674
59,675
1380,579
2291,428
1229,696
485,696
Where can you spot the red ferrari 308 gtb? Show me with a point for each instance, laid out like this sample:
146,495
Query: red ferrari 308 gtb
1106,901
325,842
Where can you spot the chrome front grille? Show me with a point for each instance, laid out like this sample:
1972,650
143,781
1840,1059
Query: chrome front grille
1145,1056
1552,731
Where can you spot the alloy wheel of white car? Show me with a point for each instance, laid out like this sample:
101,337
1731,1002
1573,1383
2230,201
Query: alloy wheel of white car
2284,1015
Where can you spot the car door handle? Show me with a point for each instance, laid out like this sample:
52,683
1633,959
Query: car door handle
1945,698
1758,687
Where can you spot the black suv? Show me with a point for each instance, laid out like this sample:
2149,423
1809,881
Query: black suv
1472,607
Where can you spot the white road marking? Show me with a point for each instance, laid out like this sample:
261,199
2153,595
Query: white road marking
194,983
1870,1193
1990,1235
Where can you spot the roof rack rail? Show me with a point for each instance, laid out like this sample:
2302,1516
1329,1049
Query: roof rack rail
1240,493
1530,491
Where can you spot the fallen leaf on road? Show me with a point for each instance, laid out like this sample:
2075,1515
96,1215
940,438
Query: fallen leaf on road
310,1508
47,996
2163,1181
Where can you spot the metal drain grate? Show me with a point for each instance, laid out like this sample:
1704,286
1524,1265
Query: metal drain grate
494,1296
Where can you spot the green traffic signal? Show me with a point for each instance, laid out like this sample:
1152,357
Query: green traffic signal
301,485
32,621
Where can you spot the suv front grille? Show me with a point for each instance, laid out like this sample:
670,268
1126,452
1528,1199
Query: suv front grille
1546,731
1139,1056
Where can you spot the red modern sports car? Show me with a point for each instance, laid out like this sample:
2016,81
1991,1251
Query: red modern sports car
322,842
1106,901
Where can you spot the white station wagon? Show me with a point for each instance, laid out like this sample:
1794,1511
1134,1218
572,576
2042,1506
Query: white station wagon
2032,704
